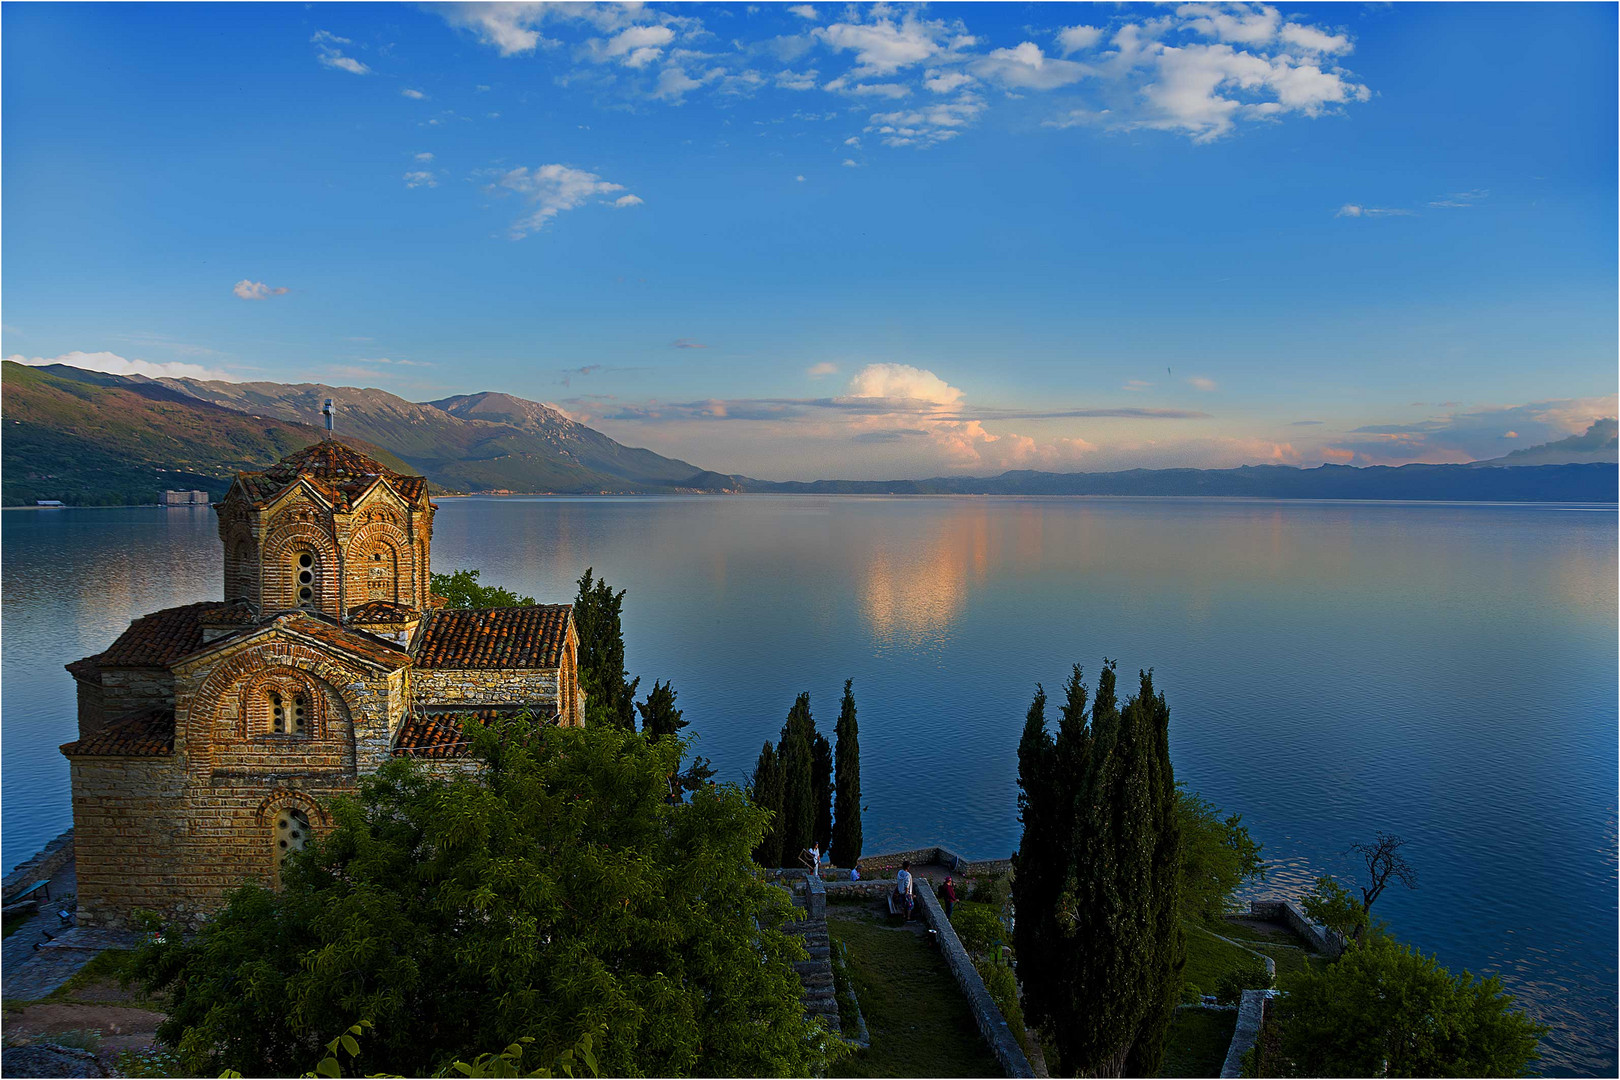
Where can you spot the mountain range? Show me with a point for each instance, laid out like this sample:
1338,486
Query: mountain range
89,438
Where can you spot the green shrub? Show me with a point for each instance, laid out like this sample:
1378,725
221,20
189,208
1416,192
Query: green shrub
979,927
1003,987
152,1061
989,890
1251,975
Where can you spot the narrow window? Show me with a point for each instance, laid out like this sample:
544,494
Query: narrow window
304,571
278,713
298,712
292,833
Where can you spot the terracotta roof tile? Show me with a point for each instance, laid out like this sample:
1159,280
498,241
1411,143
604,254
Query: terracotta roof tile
382,611
439,734
492,638
339,472
355,642
149,734
155,640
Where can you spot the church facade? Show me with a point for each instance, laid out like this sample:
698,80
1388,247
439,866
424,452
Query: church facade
213,736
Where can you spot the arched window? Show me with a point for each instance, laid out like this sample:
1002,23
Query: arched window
291,833
304,581
288,716
278,712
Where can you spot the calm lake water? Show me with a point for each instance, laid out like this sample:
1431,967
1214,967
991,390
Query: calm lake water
1443,672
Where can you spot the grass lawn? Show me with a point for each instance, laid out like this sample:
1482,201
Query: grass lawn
1208,958
915,1013
1197,1043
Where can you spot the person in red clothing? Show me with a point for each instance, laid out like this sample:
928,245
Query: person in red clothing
947,893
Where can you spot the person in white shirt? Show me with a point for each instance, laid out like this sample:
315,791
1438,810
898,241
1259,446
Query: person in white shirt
903,888
815,858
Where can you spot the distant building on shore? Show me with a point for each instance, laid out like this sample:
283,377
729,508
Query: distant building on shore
213,737
185,498
49,502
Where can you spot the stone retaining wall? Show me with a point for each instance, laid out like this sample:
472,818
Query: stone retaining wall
43,866
1323,940
992,1025
1250,1015
932,856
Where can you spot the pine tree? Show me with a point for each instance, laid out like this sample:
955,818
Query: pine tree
1168,953
659,716
795,752
821,784
609,697
1038,866
765,789
846,835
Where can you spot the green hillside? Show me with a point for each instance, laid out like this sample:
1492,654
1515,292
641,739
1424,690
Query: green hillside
117,441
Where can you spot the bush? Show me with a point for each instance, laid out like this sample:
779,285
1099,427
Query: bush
1003,987
1248,976
979,927
990,890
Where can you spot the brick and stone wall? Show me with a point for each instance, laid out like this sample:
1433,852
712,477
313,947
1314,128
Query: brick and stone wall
466,686
888,862
128,691
129,842
1323,940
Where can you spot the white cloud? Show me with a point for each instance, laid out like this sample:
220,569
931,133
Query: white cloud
634,46
851,163
800,178
804,11
628,200
511,28
887,45
943,82
1247,24
674,83
420,178
842,85
793,80
1355,210
816,371
113,364
1074,38
926,126
414,95
424,156
901,382
328,53
552,189
1310,39
257,290
1201,383
1460,200
1025,68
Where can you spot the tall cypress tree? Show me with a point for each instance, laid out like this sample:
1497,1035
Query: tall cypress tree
821,786
765,789
795,752
1038,867
659,716
610,698
846,834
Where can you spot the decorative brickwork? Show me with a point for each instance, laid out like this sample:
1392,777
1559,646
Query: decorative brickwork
213,736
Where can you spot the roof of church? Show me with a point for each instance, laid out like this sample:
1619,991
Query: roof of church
339,472
147,734
154,640
327,631
383,611
485,638
438,734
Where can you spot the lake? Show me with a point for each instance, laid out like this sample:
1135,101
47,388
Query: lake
1445,672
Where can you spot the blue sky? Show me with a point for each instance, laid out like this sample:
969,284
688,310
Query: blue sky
819,240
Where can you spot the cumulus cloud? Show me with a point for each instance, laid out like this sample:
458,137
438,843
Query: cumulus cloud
328,50
512,28
1024,67
928,125
1072,39
113,364
886,45
795,80
257,290
804,11
628,200
553,189
634,46
420,178
1476,434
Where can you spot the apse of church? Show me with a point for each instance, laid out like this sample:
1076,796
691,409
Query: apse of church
213,736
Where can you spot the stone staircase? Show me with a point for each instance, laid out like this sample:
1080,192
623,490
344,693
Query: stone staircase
815,974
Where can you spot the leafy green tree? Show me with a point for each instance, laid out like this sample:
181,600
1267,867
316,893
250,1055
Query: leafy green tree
846,834
821,788
659,716
795,751
1335,907
766,791
1384,1009
461,590
1217,856
1098,878
609,695
556,894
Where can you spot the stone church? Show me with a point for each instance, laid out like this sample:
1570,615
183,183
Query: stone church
213,736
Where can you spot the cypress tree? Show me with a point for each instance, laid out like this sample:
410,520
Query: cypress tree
610,698
794,752
821,784
659,716
1038,867
765,789
846,835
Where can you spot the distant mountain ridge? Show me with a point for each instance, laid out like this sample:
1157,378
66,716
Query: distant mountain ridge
89,438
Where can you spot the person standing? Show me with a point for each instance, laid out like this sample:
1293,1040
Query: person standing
947,894
903,888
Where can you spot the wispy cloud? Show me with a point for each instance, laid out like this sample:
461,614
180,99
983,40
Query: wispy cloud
414,95
1356,210
687,343
257,290
420,178
328,50
817,371
553,189
1460,200
1199,382
113,364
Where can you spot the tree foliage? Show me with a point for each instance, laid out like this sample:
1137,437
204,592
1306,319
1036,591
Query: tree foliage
461,590
1217,856
765,789
795,751
1384,1009
1097,877
1335,907
846,830
557,894
821,789
659,716
609,695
